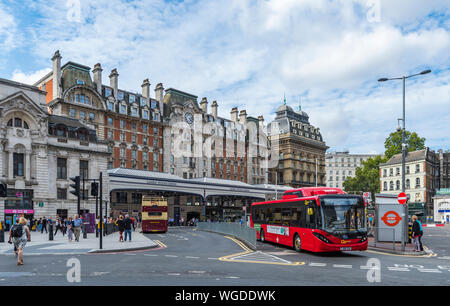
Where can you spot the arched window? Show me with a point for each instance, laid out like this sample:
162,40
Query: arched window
417,182
397,185
391,185
385,186
408,184
18,122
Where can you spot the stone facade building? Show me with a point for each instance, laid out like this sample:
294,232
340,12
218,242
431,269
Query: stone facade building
39,152
341,165
421,179
301,150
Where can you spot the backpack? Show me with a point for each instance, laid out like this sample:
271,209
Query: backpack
420,227
17,231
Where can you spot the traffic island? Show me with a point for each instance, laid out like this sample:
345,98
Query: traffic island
395,248
40,244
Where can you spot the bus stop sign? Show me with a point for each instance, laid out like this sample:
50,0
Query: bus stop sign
401,198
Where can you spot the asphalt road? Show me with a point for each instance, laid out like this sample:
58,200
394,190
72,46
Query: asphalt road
188,257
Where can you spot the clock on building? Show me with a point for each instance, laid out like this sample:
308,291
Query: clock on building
189,118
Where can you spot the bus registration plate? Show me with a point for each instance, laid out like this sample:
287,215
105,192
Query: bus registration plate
346,249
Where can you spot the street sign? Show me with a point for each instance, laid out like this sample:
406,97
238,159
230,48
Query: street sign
401,198
391,218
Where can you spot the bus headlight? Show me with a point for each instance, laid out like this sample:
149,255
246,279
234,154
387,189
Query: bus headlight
364,238
321,237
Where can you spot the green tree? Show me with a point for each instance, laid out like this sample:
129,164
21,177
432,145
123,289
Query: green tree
393,144
367,177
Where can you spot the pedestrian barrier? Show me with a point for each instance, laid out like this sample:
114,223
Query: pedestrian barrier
237,230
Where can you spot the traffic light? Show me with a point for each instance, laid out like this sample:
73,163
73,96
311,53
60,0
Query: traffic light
3,190
76,186
94,189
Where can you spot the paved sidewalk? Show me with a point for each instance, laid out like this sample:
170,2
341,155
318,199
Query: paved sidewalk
60,245
388,247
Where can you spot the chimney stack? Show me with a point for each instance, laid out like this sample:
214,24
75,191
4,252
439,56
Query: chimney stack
146,89
243,116
204,105
114,82
261,121
98,77
56,59
159,96
234,114
214,106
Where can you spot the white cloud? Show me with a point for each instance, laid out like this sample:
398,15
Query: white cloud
247,53
29,78
8,31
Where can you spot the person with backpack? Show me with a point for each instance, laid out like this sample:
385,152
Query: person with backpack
420,234
416,232
19,234
127,224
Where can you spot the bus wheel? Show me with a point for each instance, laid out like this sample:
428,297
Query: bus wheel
297,243
261,235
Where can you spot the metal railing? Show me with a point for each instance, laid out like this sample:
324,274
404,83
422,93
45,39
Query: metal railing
242,232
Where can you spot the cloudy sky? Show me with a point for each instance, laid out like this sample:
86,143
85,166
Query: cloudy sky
248,53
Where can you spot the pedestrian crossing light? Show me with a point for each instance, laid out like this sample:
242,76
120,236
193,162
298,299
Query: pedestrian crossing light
75,186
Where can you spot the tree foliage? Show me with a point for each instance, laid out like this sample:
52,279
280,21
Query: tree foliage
367,177
393,144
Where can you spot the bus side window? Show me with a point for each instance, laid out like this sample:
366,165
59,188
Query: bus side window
310,216
300,212
277,216
286,215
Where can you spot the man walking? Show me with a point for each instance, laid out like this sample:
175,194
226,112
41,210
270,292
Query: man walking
127,226
44,225
77,227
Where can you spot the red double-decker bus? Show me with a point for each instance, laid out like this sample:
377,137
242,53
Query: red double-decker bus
154,214
315,219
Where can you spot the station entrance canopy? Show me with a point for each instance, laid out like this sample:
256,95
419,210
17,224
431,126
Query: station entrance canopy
131,179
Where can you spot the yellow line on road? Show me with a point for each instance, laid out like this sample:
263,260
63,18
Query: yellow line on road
161,244
249,251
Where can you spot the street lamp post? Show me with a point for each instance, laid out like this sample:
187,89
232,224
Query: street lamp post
405,213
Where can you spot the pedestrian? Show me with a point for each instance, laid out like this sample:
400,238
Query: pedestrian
58,226
420,234
69,226
19,234
121,226
44,225
416,233
127,227
77,227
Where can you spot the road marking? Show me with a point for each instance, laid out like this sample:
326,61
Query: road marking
161,244
213,258
150,254
197,272
171,255
444,257
398,269
430,270
173,274
317,264
194,257
343,266
232,277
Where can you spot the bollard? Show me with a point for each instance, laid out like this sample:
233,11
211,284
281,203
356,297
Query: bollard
50,232
2,236
84,231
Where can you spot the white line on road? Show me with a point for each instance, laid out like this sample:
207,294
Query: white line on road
343,266
398,269
430,270
317,264
171,255
150,254
194,257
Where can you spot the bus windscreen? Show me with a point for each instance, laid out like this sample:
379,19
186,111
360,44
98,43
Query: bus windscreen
343,215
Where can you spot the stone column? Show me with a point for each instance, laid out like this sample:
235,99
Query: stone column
27,165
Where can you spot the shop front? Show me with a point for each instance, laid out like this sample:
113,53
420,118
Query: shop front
18,203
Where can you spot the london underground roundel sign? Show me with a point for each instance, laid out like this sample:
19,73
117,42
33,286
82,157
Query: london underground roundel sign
391,218
401,198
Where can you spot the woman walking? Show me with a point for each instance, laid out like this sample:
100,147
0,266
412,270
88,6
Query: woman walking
416,233
69,226
121,226
20,234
